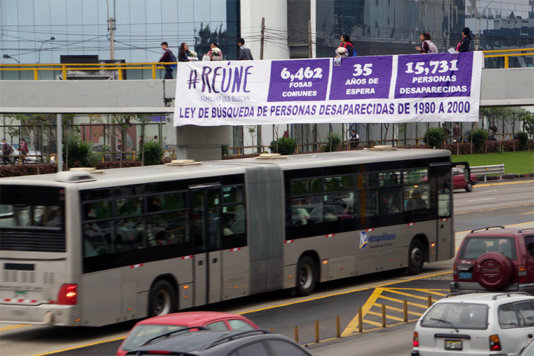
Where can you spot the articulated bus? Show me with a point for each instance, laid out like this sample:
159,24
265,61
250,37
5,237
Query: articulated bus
91,249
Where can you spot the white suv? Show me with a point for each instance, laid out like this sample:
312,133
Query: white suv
476,324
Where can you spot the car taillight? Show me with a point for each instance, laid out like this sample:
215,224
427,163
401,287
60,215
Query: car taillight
68,294
522,274
494,343
415,342
455,272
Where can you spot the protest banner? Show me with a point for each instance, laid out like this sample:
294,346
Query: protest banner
382,89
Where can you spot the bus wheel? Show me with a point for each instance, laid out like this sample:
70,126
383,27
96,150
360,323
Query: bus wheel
306,276
415,257
162,299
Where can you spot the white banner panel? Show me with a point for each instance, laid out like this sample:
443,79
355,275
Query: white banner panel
385,89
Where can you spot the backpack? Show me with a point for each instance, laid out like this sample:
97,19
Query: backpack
431,47
172,59
350,48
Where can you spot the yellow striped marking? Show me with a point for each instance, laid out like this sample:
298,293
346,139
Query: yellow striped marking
417,305
428,291
390,307
11,327
353,325
81,346
387,316
369,322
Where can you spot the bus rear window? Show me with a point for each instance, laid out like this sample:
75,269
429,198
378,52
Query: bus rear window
30,206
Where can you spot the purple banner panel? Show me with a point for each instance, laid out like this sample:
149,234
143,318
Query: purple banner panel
434,75
299,80
361,78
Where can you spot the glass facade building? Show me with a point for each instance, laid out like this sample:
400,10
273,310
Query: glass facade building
33,31
380,27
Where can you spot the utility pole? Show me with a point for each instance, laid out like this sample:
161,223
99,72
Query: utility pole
310,54
262,44
111,29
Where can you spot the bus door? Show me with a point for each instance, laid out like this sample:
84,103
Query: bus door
206,233
441,185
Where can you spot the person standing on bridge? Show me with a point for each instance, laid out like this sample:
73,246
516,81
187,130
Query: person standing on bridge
347,44
167,56
244,52
465,44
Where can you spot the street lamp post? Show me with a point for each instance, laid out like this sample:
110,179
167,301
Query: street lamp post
41,47
7,56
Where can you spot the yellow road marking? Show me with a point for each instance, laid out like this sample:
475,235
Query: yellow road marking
502,183
390,307
391,290
493,209
387,316
528,213
422,306
368,322
78,347
366,307
11,327
430,291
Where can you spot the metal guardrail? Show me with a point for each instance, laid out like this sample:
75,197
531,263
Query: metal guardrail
497,169
507,53
64,68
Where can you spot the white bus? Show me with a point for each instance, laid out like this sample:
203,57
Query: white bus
94,249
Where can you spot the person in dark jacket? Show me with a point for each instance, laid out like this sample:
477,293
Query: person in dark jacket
346,43
465,44
184,54
167,56
244,53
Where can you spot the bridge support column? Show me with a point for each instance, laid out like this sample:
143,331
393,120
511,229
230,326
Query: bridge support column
201,143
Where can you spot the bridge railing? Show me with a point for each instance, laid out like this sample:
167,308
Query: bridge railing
68,70
118,70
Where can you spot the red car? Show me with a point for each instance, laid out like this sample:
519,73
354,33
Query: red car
462,177
153,327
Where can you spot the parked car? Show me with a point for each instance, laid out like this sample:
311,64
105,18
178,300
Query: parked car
170,323
462,178
222,343
495,259
476,324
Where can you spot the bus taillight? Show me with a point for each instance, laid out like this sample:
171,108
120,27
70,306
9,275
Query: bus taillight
67,294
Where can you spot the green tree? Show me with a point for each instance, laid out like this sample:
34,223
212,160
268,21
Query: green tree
479,138
76,152
332,142
153,153
434,137
284,145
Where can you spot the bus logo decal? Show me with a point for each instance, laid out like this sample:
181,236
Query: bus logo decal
364,240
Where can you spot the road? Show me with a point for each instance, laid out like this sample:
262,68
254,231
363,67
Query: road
490,204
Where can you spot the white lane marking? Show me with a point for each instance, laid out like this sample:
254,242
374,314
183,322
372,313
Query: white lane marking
482,199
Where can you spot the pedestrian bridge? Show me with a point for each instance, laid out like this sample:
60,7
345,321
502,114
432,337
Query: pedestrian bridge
499,87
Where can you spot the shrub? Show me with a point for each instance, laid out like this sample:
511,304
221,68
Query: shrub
332,142
284,145
153,153
27,169
78,152
522,138
434,137
479,138
117,164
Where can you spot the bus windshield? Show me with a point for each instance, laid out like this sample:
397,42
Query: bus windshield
30,206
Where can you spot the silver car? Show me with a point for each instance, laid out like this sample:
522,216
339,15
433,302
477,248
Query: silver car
476,324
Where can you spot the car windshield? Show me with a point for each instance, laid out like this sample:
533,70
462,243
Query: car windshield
457,316
142,333
477,246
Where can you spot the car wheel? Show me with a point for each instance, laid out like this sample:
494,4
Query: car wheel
493,271
162,299
306,276
416,257
468,187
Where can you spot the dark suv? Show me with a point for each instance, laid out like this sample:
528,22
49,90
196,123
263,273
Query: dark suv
222,343
495,259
